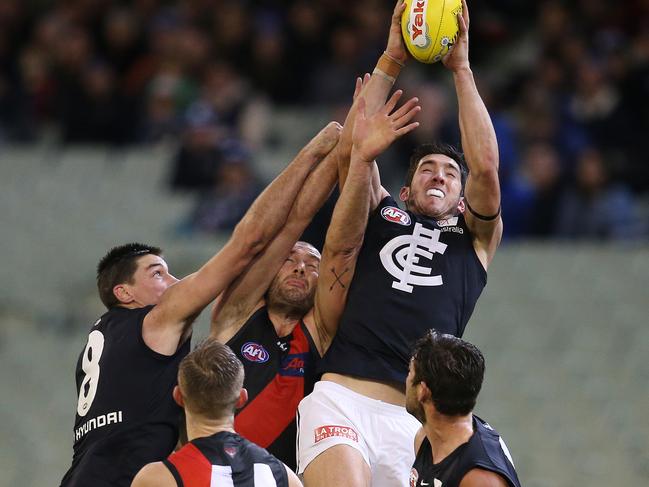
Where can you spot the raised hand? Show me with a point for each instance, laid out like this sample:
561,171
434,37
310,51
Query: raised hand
396,48
345,144
373,135
458,56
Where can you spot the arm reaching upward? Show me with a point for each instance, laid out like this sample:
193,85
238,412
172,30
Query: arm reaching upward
375,92
371,136
245,294
168,322
482,191
274,204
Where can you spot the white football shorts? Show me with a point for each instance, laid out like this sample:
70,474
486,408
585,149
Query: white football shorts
383,433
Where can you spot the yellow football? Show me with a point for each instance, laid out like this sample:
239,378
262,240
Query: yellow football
430,28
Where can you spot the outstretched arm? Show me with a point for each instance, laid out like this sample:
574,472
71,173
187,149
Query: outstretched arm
245,294
371,136
168,323
482,191
375,92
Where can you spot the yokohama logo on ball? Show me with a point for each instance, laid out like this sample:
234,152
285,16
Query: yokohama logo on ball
417,25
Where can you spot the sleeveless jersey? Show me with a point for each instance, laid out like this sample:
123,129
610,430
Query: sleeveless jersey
279,373
413,273
225,459
126,416
485,449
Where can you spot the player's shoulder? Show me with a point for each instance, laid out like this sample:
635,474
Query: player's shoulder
256,326
257,453
230,443
489,451
388,212
483,427
388,200
120,322
255,450
119,314
154,474
486,435
478,477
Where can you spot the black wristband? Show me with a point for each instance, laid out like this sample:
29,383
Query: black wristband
482,217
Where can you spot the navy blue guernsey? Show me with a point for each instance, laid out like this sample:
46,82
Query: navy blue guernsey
279,372
126,416
485,449
413,273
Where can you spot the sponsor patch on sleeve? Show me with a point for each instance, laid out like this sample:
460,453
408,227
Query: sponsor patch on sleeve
329,431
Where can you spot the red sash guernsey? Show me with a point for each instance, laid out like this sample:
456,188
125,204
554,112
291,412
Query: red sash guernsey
269,413
279,373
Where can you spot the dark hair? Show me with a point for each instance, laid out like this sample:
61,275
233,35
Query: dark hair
118,267
452,369
210,379
436,148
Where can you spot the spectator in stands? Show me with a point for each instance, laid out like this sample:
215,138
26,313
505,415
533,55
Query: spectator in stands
596,207
198,158
234,188
530,201
123,73
240,110
122,39
330,84
94,110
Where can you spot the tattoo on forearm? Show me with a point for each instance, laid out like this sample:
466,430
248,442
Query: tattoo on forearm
337,276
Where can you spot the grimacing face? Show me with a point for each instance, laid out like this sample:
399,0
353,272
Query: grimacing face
436,187
295,283
150,280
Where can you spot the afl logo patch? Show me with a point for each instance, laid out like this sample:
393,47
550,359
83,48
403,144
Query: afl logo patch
254,352
395,215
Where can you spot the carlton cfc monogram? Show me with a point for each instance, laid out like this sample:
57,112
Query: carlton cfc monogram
400,257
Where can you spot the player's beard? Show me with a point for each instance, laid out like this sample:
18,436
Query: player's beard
289,300
415,408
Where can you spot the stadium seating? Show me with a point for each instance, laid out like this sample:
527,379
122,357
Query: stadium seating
563,327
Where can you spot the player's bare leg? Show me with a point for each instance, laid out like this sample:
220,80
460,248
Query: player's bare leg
340,465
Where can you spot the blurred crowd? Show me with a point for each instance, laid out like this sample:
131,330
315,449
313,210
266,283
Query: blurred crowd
566,82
